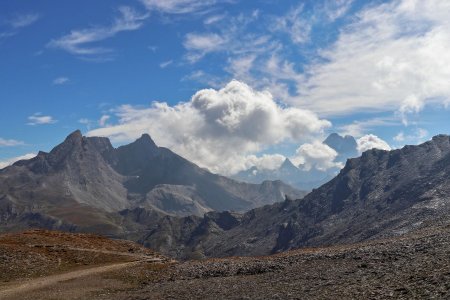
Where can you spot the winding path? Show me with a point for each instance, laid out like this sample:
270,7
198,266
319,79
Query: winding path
42,282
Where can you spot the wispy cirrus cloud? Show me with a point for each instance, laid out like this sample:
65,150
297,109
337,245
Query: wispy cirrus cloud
258,54
23,20
179,6
419,135
200,44
79,42
40,119
336,9
230,37
103,120
295,25
213,19
165,64
360,128
60,80
13,25
10,143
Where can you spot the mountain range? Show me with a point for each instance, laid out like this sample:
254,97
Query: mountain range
379,194
141,192
84,183
300,177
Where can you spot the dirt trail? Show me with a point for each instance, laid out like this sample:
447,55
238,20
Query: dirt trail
38,283
47,281
140,257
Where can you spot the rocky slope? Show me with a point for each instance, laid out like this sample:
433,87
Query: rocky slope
83,184
414,266
381,193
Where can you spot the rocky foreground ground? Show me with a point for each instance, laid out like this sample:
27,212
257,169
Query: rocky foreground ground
410,267
415,266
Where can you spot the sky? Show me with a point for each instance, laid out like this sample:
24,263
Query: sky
227,84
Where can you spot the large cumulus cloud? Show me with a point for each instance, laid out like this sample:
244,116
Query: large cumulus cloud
218,129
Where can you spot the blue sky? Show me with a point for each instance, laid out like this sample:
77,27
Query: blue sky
378,70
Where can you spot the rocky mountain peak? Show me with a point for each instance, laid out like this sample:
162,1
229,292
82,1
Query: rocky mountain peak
287,165
72,143
342,144
146,141
74,138
135,156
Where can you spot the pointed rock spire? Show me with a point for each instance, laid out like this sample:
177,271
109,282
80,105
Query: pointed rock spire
145,139
76,135
287,164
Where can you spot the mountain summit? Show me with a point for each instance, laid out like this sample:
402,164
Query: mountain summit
345,146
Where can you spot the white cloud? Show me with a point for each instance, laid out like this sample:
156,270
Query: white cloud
295,24
165,64
10,161
10,143
231,37
60,80
15,24
360,128
88,123
23,20
217,129
316,155
264,162
336,9
417,136
213,19
78,41
240,67
298,24
178,6
256,54
201,44
393,57
371,141
103,120
39,119
411,104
